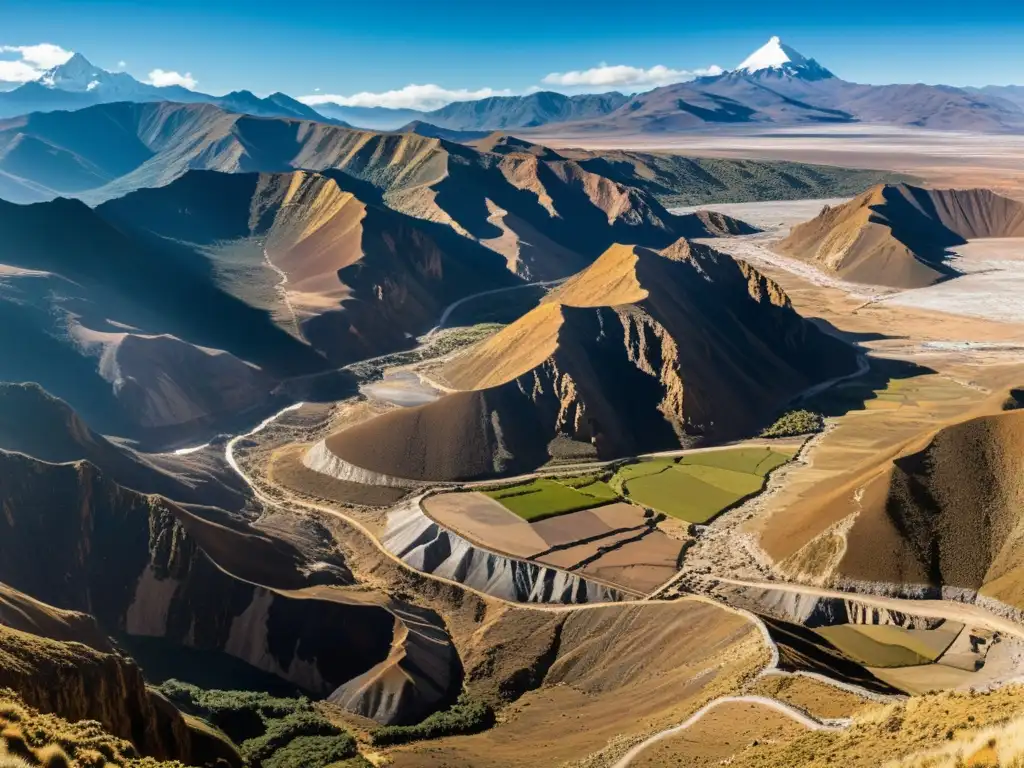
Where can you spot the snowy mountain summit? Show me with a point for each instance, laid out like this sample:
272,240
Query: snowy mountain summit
776,59
78,75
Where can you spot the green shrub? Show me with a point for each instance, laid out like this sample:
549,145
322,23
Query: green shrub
1014,400
465,716
285,730
794,423
305,751
272,732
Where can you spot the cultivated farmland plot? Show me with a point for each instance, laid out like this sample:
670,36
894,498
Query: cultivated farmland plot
694,488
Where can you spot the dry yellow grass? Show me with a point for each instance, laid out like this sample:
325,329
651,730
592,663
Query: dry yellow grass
30,738
911,734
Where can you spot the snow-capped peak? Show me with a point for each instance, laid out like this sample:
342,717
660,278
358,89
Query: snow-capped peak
774,54
76,74
775,57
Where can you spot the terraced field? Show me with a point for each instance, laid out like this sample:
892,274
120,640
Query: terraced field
543,498
699,486
694,488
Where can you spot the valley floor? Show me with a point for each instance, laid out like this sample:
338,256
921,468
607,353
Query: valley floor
941,158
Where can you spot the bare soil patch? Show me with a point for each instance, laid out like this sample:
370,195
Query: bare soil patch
285,468
812,696
658,662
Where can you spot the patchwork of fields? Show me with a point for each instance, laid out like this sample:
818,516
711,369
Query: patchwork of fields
694,488
543,498
609,523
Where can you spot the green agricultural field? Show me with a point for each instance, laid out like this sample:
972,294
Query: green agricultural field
680,494
872,652
543,498
731,481
753,460
701,485
592,485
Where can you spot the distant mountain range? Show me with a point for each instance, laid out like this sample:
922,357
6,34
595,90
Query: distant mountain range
79,83
775,86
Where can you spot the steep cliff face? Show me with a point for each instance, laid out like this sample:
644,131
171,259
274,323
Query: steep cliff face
642,351
144,566
428,547
70,678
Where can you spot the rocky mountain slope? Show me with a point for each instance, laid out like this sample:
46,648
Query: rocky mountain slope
61,663
503,112
899,235
523,206
144,566
35,423
642,351
321,255
138,338
947,515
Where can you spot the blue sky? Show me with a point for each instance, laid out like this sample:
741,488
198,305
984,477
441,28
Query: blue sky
346,48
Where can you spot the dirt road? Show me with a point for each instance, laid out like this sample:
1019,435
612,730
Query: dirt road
801,717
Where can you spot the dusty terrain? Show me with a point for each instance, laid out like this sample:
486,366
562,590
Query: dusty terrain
520,616
942,158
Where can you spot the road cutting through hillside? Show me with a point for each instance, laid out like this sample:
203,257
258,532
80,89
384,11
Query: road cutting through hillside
802,718
456,304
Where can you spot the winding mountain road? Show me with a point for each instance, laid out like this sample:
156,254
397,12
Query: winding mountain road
774,704
456,304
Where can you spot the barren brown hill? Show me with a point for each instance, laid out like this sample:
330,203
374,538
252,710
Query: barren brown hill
35,423
948,515
138,336
528,208
899,235
641,351
333,268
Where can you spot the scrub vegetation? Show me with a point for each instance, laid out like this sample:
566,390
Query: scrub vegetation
272,732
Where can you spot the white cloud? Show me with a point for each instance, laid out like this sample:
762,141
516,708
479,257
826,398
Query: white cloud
162,78
615,76
122,64
422,97
31,61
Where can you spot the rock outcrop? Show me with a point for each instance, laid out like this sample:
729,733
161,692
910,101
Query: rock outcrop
69,676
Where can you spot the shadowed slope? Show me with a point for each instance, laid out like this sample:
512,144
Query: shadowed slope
328,263
949,514
642,351
35,423
898,235
517,199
